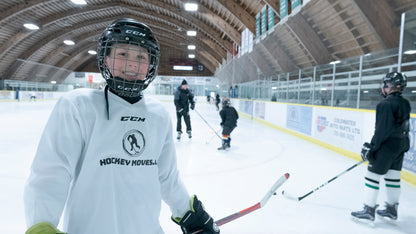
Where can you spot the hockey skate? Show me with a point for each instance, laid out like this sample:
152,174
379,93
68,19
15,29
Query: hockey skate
179,135
367,213
225,145
390,211
189,134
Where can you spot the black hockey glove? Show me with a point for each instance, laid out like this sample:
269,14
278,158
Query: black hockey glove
192,106
367,152
197,219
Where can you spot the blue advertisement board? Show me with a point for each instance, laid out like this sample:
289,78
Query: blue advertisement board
409,162
246,107
298,118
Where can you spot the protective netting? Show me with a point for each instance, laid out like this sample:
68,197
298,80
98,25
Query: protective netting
353,82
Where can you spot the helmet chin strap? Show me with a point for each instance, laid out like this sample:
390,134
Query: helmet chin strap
131,100
124,88
385,86
384,93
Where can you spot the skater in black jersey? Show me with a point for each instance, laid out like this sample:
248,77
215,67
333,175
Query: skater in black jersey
217,101
229,118
183,99
386,150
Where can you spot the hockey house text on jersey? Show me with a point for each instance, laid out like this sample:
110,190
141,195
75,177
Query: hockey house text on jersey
126,162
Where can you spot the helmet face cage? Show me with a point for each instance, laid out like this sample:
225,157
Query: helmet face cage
128,36
226,102
395,80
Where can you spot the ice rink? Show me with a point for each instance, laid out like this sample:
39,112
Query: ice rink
225,181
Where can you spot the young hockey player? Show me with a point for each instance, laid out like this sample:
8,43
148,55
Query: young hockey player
229,118
217,101
386,151
108,156
183,98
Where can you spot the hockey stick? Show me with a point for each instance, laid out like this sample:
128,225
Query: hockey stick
322,185
212,137
209,125
258,205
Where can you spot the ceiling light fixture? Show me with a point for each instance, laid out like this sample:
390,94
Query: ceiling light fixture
31,26
191,56
191,47
183,68
410,52
191,6
191,33
69,42
79,2
92,52
335,62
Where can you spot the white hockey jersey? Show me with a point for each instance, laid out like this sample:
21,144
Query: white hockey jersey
106,176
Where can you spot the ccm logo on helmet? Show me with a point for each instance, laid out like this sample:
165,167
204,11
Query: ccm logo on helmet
136,33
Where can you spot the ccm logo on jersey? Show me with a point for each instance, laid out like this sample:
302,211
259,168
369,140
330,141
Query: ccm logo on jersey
132,118
129,31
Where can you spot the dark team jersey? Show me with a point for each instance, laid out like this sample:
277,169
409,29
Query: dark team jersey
182,99
392,119
229,116
217,99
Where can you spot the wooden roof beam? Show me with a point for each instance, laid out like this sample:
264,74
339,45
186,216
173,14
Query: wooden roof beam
275,5
239,12
309,39
382,20
276,50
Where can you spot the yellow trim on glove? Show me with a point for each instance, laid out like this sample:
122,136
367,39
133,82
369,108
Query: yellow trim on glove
192,203
43,228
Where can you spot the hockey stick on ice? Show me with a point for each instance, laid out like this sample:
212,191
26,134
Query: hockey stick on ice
209,125
212,137
320,186
257,206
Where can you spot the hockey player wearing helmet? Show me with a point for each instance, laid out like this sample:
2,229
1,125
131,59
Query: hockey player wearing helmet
386,150
183,99
229,117
108,156
217,101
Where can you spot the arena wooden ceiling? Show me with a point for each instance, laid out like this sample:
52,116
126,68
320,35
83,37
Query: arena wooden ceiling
324,30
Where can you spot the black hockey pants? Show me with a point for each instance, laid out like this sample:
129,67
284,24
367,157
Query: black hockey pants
187,119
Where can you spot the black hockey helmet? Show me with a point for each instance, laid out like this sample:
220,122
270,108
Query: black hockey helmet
226,102
128,31
397,80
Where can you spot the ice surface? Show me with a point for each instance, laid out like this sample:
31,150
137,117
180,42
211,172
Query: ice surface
225,181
